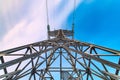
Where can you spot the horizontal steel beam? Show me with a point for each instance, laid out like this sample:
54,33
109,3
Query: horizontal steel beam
106,55
116,77
107,49
88,56
103,48
10,74
95,46
55,39
10,63
41,43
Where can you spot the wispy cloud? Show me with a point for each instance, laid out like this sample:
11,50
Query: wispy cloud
25,21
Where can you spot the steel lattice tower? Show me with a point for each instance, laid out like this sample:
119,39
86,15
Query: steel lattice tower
60,58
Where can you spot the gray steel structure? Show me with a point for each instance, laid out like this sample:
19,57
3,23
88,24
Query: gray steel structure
60,58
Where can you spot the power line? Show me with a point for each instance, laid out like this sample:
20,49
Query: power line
74,6
47,13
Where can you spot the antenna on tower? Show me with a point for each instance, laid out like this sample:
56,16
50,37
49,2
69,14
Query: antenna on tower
48,30
47,14
73,31
73,22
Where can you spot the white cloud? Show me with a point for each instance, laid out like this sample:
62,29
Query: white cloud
62,16
32,27
10,13
34,24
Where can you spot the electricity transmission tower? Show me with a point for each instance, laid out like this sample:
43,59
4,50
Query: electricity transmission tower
60,58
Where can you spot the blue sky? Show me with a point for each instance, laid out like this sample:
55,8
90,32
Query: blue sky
98,22
24,21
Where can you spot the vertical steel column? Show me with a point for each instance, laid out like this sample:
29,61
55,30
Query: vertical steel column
2,61
117,71
46,59
60,63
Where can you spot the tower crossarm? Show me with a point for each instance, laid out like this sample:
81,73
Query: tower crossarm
86,60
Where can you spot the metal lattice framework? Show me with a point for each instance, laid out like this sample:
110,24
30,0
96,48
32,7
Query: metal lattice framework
60,58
